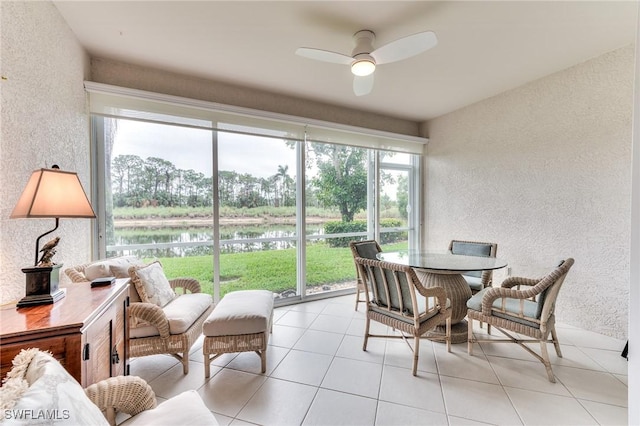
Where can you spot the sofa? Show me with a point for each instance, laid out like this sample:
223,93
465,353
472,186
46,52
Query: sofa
165,316
38,390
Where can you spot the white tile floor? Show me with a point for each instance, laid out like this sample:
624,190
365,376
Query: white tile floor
317,374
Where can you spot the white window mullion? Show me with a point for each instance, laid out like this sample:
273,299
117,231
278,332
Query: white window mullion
98,188
374,194
415,203
301,220
216,217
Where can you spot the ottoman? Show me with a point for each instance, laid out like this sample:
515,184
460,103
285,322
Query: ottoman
241,322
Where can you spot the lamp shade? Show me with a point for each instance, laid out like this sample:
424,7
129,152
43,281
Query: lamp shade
53,193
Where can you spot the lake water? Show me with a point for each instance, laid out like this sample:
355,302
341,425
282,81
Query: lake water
198,241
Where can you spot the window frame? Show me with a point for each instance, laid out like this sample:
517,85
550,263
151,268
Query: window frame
100,193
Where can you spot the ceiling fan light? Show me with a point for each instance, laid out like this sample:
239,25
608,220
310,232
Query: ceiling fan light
363,67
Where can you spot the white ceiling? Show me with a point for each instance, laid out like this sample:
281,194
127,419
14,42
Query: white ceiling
484,47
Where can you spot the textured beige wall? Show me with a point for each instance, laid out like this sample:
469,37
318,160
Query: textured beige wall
153,80
44,121
544,171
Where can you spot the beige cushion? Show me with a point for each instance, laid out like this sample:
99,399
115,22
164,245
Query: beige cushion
105,268
181,313
240,312
152,284
186,408
52,394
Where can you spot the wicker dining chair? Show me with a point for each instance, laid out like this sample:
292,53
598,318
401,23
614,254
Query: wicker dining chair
396,298
366,249
521,305
477,280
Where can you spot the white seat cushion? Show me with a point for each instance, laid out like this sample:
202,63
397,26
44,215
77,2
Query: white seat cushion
240,312
181,312
474,283
186,408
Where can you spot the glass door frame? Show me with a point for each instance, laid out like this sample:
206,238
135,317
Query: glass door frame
100,195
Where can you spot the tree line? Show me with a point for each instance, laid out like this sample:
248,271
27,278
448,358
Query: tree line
154,181
340,182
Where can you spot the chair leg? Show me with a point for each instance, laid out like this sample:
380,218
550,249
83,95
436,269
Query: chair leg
357,294
546,362
185,362
207,366
366,334
488,328
448,336
556,342
470,336
263,360
416,354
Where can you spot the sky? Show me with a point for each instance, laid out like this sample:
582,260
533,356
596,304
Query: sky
191,149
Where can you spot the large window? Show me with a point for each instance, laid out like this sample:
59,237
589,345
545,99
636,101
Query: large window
247,205
257,199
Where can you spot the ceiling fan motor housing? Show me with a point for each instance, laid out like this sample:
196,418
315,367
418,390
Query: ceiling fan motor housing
363,63
364,42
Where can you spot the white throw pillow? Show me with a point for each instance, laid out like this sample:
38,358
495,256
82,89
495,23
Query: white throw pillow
152,284
116,266
52,397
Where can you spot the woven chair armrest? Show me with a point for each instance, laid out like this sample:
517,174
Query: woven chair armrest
128,394
498,292
519,281
188,284
438,292
152,314
76,273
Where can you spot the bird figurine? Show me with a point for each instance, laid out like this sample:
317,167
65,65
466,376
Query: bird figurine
48,250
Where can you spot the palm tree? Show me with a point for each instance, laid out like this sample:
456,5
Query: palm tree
285,179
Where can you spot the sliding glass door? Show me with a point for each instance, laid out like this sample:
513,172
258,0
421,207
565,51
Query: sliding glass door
257,213
156,200
246,207
398,212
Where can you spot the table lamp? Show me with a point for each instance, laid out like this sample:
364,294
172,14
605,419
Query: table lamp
50,193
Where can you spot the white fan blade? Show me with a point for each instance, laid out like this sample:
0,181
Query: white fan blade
362,85
405,47
324,55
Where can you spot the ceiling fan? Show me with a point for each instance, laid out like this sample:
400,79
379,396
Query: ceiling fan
364,58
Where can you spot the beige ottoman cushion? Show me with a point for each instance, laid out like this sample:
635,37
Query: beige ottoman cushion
240,312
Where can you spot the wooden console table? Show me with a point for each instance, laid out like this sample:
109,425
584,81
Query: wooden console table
86,331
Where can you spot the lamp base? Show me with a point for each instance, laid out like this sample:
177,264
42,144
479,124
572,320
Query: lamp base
42,286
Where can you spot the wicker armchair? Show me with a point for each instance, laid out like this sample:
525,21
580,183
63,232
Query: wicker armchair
126,394
399,300
366,249
150,326
477,280
132,395
528,312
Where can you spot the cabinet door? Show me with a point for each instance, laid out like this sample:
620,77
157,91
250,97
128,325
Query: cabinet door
119,356
104,342
96,348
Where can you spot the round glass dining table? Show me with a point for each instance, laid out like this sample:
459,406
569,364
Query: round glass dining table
443,269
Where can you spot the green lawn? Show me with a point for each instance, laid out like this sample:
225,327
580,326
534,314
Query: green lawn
273,270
